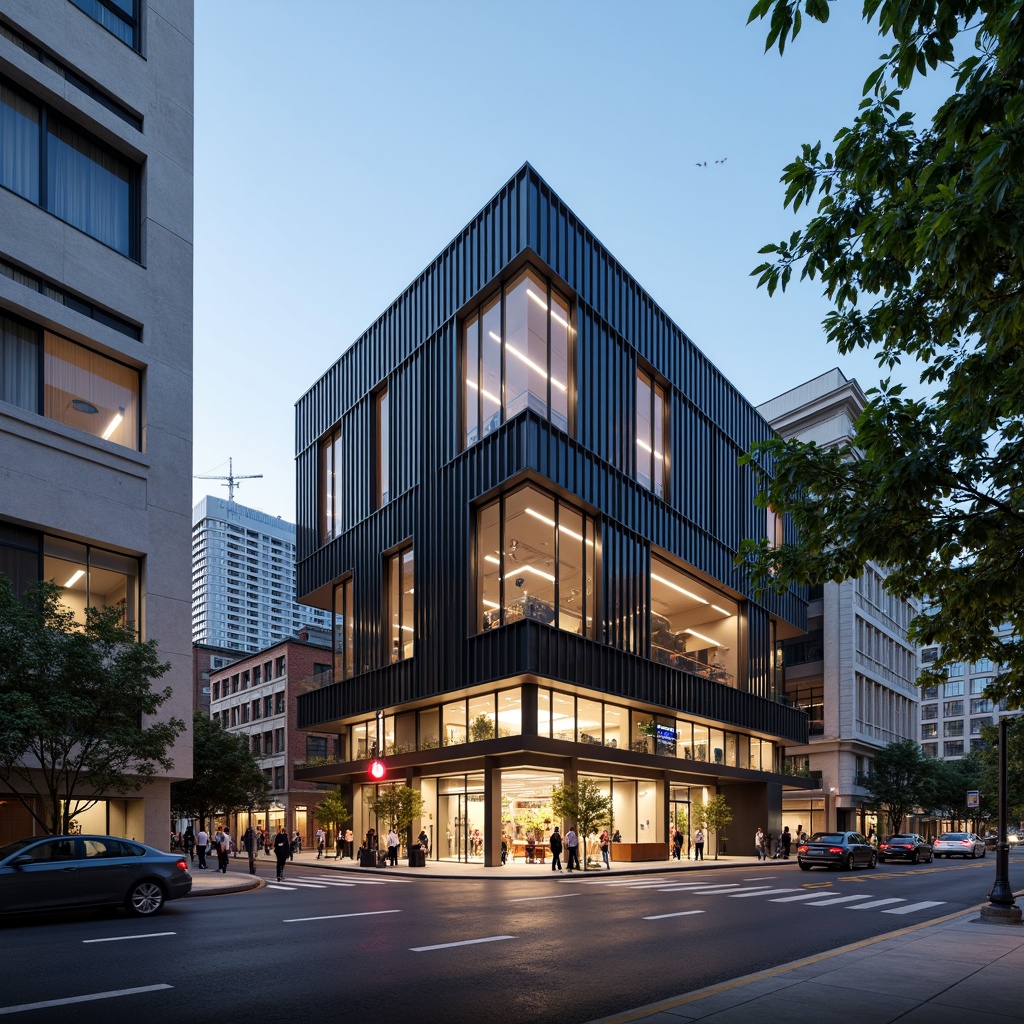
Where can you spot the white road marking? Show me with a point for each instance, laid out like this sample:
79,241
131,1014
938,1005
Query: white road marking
802,896
876,903
91,997
760,892
332,917
841,899
682,913
126,938
531,899
923,905
464,942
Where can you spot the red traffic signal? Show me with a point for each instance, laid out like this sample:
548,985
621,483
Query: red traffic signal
377,770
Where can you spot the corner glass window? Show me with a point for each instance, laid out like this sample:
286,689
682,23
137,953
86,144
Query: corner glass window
516,356
92,578
693,628
331,470
651,430
344,631
535,560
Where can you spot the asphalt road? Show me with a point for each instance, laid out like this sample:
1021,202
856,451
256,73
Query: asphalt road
567,948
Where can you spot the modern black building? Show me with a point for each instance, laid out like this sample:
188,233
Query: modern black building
519,494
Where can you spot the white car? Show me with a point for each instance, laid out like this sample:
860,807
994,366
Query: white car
959,844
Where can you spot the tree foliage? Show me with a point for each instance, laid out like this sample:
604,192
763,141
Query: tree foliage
917,239
77,706
714,815
332,810
901,779
225,775
396,806
987,759
584,806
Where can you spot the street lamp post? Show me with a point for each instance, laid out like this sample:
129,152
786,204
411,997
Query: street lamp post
1002,908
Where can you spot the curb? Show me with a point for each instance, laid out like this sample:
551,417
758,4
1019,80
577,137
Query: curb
247,885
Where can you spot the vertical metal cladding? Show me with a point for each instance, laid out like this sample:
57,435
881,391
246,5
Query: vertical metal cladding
413,348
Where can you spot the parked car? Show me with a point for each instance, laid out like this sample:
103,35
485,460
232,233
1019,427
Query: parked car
905,846
67,872
959,844
836,850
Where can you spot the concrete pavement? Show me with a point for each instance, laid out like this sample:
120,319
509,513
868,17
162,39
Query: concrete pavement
941,972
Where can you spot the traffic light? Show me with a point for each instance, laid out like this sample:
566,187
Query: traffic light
377,770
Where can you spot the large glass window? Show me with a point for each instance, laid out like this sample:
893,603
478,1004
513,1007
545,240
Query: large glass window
121,17
516,356
87,185
535,559
332,469
382,431
92,578
651,411
400,607
344,631
80,388
693,627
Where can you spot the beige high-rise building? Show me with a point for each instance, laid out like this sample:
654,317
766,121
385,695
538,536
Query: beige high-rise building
96,129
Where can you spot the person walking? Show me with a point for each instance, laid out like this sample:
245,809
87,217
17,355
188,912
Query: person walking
786,840
321,844
190,843
224,844
282,851
606,846
698,845
759,844
555,846
232,845
393,843
339,845
202,841
572,846
677,844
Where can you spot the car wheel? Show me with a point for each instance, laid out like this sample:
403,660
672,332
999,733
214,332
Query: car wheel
804,867
874,860
983,852
914,857
851,862
145,898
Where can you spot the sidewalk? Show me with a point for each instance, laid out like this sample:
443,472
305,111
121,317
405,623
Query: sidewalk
939,972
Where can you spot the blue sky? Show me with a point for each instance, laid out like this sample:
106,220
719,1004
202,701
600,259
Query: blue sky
338,152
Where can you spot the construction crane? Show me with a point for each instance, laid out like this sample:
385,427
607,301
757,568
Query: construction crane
231,478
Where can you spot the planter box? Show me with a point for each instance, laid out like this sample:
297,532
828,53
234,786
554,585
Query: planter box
635,852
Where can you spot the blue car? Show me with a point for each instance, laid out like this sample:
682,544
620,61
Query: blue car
836,850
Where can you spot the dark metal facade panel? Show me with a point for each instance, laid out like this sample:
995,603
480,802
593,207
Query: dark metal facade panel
413,349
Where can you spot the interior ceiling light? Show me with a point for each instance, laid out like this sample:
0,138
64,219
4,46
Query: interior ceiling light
701,636
543,305
483,391
551,522
75,578
81,405
529,568
722,610
647,448
675,586
114,423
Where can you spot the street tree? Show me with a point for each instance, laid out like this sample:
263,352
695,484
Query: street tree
988,769
226,777
950,784
396,806
332,810
78,708
915,231
901,778
714,815
583,805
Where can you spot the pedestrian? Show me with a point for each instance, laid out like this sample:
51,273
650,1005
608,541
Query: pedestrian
296,842
572,846
282,851
606,845
423,841
677,844
504,848
232,845
769,846
222,844
202,841
393,843
786,839
616,836
759,844
349,838
698,845
320,843
268,842
190,843
339,845
555,846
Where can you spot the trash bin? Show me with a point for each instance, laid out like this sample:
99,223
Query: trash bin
417,857
367,858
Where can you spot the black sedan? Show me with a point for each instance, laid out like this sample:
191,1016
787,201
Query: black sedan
906,846
836,850
69,872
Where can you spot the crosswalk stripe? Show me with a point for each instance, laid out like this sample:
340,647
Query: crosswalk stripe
760,892
840,899
876,903
802,896
923,905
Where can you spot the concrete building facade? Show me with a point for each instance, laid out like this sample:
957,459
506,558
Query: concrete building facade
854,672
96,128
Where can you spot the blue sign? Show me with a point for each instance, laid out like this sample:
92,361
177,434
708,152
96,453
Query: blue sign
665,733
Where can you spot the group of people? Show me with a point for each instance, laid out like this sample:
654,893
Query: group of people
765,844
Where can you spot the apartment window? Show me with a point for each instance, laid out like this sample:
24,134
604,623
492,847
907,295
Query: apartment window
535,560
257,708
344,631
244,714
811,699
234,683
953,689
930,693
216,691
279,741
279,777
981,705
279,667
651,432
953,748
268,706
47,374
978,723
382,434
316,747
332,468
774,528
256,745
954,728
929,711
930,749
930,731
91,578
234,716
516,356
256,675
279,703
68,173
979,683
400,583
952,707
120,17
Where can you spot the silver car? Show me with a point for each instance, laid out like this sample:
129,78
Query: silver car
959,844
69,872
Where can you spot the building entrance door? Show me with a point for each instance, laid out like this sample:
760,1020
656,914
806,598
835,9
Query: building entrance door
462,819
